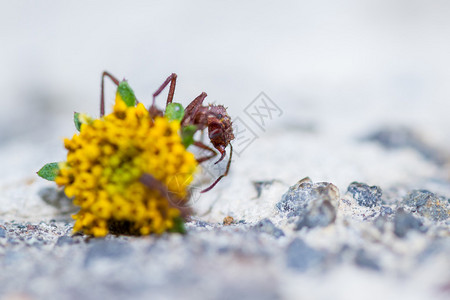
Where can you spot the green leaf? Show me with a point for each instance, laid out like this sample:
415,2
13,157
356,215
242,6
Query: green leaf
126,93
187,135
76,120
81,118
174,111
178,226
49,171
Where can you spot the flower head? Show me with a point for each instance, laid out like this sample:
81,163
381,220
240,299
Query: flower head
105,165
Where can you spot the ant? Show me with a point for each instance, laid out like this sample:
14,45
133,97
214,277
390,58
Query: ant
213,117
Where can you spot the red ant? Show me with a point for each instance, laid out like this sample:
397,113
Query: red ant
215,117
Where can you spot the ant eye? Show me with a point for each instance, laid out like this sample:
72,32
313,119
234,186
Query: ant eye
219,116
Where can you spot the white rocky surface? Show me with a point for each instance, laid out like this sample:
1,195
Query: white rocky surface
337,75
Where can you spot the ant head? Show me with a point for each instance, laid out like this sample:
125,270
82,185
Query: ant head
217,111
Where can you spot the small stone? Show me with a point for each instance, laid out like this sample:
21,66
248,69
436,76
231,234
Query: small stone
365,195
380,222
13,241
33,241
268,227
58,199
200,223
31,227
404,222
362,259
401,137
228,220
2,232
302,257
107,249
428,204
314,204
386,210
260,185
64,240
394,137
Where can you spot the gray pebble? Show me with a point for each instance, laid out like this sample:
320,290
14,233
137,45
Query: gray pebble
267,226
201,223
395,137
107,249
365,195
301,257
321,216
13,241
386,210
362,259
2,232
313,204
404,222
380,222
260,185
64,240
428,204
401,137
58,199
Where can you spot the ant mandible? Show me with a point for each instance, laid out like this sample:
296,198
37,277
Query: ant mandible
213,117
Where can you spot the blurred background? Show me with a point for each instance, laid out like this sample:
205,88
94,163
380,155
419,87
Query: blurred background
343,67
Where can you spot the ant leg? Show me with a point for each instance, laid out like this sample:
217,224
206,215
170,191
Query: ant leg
102,95
172,79
153,183
191,111
221,176
197,102
203,146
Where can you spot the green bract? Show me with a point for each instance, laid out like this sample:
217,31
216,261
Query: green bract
178,226
187,135
80,118
76,120
126,93
49,171
174,111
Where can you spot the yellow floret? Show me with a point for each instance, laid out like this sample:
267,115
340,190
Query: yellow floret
105,162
